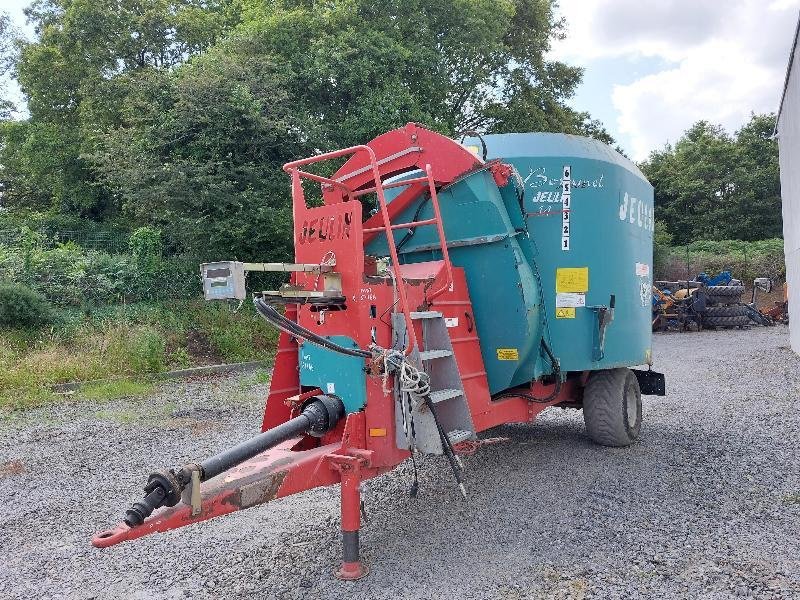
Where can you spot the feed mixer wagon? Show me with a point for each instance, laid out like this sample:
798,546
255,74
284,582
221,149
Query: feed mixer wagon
438,290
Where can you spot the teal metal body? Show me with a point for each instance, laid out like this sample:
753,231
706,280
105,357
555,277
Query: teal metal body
334,373
523,283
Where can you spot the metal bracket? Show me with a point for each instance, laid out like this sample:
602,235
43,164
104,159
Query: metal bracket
191,493
605,315
355,460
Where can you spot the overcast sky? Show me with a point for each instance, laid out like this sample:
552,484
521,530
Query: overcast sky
654,67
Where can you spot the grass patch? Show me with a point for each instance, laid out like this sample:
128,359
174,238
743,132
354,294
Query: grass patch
792,498
121,388
123,343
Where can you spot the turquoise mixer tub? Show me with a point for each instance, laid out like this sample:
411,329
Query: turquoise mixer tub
545,256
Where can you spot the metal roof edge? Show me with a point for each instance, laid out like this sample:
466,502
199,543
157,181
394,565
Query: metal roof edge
788,73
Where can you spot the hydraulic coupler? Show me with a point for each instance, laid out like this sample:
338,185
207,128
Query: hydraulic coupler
164,488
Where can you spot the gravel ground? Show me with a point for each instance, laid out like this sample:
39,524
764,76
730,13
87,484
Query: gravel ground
705,505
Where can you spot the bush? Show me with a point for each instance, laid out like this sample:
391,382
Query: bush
69,275
21,307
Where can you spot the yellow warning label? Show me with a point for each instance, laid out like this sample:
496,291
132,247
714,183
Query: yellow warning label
572,280
567,312
474,149
507,354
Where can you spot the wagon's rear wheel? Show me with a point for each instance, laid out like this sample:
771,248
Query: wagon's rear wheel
612,407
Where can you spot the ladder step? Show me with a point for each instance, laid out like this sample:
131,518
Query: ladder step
442,395
429,314
432,354
459,435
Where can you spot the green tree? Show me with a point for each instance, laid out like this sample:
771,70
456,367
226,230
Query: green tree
198,153
7,58
179,113
714,186
362,67
67,75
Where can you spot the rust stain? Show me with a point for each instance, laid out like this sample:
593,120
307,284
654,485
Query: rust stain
260,492
12,467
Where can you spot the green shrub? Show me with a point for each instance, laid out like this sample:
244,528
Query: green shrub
145,247
21,307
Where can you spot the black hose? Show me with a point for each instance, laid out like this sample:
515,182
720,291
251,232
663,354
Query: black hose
274,317
410,233
473,133
530,397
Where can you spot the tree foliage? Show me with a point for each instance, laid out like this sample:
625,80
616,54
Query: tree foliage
179,113
715,186
7,57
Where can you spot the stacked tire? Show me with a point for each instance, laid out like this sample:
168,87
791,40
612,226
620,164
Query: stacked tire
724,308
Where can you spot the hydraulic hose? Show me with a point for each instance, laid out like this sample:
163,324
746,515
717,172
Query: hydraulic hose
296,330
530,397
164,488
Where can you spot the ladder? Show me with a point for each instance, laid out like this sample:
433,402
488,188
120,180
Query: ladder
379,188
415,426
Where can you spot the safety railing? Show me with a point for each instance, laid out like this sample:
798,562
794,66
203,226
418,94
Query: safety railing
298,196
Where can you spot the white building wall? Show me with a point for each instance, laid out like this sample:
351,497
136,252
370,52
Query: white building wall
789,144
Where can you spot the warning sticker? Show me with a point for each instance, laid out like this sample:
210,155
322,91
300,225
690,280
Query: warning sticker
642,269
570,299
572,279
565,313
507,354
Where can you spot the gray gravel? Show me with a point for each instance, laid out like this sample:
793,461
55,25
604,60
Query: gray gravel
706,505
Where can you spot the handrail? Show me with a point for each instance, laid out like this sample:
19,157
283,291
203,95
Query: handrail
393,184
442,240
293,168
411,225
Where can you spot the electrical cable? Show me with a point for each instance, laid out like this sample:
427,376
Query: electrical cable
473,133
296,330
410,233
530,397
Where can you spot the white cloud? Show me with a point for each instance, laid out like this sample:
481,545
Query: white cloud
723,60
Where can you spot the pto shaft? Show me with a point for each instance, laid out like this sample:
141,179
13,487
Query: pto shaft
164,488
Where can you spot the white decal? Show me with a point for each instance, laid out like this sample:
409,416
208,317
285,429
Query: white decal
570,300
566,199
646,292
331,388
636,212
451,322
538,178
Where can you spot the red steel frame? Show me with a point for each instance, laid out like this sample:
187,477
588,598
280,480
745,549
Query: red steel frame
363,445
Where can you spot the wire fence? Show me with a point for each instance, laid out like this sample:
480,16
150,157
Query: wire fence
114,242
79,268
682,265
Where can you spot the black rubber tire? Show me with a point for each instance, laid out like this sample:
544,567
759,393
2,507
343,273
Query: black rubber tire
732,310
728,322
722,300
725,290
606,406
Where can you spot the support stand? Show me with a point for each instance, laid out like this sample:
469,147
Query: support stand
350,468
